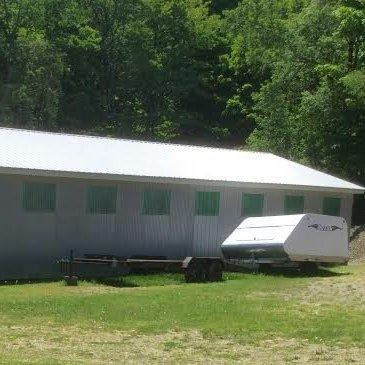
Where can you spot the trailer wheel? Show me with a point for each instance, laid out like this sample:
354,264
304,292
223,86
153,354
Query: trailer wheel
308,268
195,272
214,271
71,280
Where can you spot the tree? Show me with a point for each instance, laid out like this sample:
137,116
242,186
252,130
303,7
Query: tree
37,88
311,109
352,28
14,15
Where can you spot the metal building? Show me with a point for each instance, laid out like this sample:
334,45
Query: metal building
123,197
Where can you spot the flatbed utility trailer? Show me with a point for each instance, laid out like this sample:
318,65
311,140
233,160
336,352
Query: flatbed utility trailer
195,269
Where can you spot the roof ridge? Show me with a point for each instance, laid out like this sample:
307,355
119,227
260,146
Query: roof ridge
69,134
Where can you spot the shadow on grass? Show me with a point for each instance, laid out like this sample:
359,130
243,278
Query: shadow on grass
29,281
290,272
320,273
161,279
116,282
140,280
144,280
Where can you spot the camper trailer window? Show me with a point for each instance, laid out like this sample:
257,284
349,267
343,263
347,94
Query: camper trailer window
156,202
252,205
207,203
294,204
332,206
39,197
101,199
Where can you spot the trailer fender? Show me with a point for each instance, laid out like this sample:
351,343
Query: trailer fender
201,269
186,262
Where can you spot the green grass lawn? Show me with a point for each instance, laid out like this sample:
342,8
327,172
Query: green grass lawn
154,317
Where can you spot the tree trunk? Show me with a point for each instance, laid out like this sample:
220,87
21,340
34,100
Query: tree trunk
351,48
356,54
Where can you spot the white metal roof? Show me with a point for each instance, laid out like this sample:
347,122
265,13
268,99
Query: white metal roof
64,155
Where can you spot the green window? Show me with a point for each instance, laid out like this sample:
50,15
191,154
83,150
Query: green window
294,204
39,197
156,202
332,206
207,203
252,205
101,199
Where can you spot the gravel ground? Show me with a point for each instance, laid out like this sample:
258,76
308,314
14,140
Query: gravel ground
357,244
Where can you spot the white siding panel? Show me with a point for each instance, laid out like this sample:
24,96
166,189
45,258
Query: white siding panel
182,222
229,215
313,202
206,236
130,232
275,202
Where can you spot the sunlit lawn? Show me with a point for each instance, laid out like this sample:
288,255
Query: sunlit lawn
39,320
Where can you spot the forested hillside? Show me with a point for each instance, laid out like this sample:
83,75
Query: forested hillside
287,76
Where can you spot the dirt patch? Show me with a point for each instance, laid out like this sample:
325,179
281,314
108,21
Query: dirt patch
348,288
345,289
75,345
346,293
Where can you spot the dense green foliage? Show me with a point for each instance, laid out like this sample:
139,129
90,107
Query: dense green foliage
286,76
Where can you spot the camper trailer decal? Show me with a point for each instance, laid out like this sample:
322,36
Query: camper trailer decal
321,227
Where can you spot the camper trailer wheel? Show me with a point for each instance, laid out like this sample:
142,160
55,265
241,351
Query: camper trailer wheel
195,272
214,271
308,268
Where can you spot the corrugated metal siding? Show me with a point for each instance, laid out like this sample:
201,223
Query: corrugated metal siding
205,236
129,220
230,214
31,242
182,218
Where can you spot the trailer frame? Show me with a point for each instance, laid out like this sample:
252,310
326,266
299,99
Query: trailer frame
195,269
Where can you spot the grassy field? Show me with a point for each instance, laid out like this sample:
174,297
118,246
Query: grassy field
247,318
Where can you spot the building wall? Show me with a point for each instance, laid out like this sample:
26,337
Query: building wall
30,243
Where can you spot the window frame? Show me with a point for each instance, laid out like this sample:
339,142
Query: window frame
159,208
203,211
287,197
332,198
244,203
28,201
93,206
